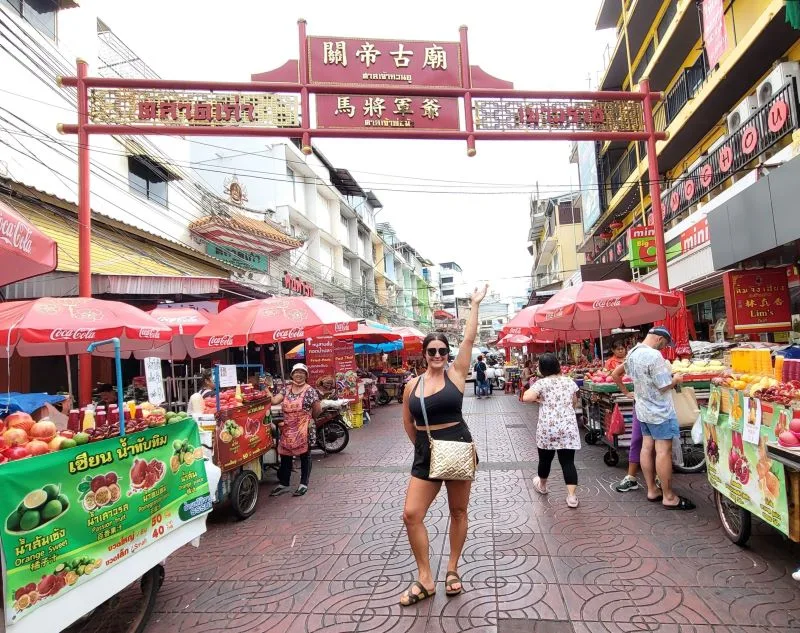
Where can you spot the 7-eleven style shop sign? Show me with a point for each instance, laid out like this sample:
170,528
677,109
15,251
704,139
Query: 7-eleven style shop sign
363,88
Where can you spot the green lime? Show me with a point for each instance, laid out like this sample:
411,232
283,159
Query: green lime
68,443
30,520
52,491
52,509
35,499
176,445
64,501
21,509
12,524
81,438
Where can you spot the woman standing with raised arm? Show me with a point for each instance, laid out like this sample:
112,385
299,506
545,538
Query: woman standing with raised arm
441,392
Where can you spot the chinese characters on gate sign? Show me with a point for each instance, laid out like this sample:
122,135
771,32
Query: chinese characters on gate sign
388,111
353,61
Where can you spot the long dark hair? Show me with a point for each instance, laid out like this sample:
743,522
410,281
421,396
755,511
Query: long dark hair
549,365
433,336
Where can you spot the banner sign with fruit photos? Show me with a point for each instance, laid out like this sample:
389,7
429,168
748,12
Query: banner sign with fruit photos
243,434
71,515
742,471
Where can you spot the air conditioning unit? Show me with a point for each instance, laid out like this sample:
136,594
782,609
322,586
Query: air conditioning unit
741,113
777,79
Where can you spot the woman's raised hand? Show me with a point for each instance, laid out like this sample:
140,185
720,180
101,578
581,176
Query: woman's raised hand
479,294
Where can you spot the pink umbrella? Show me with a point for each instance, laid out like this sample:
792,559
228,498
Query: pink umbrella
369,334
595,305
524,323
184,323
24,250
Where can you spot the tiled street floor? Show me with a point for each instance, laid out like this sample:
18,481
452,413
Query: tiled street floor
337,559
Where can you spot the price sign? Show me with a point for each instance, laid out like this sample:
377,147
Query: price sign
227,376
155,381
752,420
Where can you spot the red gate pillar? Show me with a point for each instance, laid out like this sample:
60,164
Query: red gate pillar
655,188
84,225
305,110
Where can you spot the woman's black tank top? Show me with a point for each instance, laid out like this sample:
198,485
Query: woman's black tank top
442,407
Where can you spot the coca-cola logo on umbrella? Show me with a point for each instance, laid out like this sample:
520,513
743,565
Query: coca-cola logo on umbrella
226,340
149,333
16,233
73,334
289,334
613,302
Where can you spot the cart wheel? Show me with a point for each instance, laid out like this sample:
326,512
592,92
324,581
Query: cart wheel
590,437
736,521
384,398
244,494
611,458
694,455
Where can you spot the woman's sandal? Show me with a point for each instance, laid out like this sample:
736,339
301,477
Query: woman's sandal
414,598
452,578
683,504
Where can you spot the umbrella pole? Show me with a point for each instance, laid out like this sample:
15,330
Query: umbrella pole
172,370
280,361
602,354
69,375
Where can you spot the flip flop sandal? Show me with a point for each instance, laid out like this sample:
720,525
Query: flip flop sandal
451,578
683,504
301,490
414,598
656,499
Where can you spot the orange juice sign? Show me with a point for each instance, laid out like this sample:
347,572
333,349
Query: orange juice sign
242,435
757,301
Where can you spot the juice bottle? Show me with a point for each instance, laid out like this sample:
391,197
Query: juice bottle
138,413
238,395
100,417
88,419
132,408
74,421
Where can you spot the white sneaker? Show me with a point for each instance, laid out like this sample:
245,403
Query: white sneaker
796,575
540,488
572,501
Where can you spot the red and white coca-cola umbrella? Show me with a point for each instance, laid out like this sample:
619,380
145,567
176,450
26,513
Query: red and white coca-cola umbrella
524,324
604,305
274,320
24,250
59,326
185,323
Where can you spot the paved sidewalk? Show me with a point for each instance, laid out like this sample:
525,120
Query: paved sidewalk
337,559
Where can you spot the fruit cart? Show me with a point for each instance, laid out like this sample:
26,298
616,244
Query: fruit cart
239,435
390,385
749,467
87,524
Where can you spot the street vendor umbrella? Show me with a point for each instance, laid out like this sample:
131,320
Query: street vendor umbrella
378,348
524,323
602,305
184,323
370,334
297,352
24,250
59,326
274,320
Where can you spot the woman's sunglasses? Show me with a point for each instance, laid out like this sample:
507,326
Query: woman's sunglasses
442,351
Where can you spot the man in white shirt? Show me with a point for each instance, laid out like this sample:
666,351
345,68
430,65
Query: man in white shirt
491,376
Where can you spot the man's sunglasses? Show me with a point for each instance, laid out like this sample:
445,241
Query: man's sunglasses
442,351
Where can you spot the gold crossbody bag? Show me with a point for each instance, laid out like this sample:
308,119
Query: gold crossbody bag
450,461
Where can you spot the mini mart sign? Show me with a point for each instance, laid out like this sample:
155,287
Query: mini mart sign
643,243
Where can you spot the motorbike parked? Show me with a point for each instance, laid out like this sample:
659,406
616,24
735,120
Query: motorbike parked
332,427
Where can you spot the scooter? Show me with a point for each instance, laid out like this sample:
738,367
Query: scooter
332,432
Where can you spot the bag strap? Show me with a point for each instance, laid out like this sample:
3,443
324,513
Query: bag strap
421,382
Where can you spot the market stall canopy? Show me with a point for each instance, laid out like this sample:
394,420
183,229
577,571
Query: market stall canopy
524,323
596,305
274,320
370,334
409,333
184,323
58,326
297,352
24,250
378,348
514,339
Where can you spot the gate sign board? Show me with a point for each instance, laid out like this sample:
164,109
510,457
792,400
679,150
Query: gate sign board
356,111
349,61
133,106
547,114
757,301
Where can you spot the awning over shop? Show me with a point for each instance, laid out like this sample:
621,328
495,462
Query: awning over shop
242,232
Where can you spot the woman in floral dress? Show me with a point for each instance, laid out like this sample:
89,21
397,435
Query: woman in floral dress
557,429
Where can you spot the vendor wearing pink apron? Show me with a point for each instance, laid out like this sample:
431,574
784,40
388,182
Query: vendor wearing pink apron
301,406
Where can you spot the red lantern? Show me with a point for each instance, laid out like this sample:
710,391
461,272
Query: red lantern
605,235
615,226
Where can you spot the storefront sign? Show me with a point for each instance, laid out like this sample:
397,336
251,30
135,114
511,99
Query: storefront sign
743,471
643,243
174,107
297,285
357,111
70,516
349,61
242,434
227,376
238,257
344,364
715,34
546,114
771,122
589,182
757,301
319,357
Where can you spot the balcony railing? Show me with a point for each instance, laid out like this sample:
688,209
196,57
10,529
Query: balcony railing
688,85
774,120
624,169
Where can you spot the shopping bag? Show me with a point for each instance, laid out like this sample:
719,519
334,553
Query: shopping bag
697,430
686,408
615,425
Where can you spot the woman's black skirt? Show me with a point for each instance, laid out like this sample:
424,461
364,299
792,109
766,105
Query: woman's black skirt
422,448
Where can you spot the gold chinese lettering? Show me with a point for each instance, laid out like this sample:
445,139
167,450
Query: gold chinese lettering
435,58
343,106
401,57
430,108
334,53
368,54
403,105
749,304
374,107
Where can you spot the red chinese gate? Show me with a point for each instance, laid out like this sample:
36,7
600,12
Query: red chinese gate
364,88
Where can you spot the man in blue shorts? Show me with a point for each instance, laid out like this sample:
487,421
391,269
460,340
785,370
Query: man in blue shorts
653,384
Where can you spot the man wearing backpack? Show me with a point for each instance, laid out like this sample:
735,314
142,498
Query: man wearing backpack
480,377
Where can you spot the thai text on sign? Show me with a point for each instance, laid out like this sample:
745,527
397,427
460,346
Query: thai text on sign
356,111
337,60
129,106
757,301
546,114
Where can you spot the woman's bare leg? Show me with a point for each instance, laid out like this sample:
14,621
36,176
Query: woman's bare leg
419,497
458,500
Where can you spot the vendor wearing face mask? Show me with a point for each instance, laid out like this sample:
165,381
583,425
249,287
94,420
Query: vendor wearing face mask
301,406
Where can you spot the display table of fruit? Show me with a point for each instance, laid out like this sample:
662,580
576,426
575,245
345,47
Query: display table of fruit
602,382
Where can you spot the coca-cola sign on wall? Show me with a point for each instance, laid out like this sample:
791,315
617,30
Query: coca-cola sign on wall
613,302
226,340
73,334
289,334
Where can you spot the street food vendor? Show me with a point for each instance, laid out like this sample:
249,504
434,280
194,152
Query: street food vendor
619,352
300,406
196,401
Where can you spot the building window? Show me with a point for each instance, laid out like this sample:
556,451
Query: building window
447,280
448,293
292,178
40,14
666,19
145,180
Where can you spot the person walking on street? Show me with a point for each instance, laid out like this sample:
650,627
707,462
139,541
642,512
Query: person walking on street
653,383
301,407
557,429
443,393
491,376
480,377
